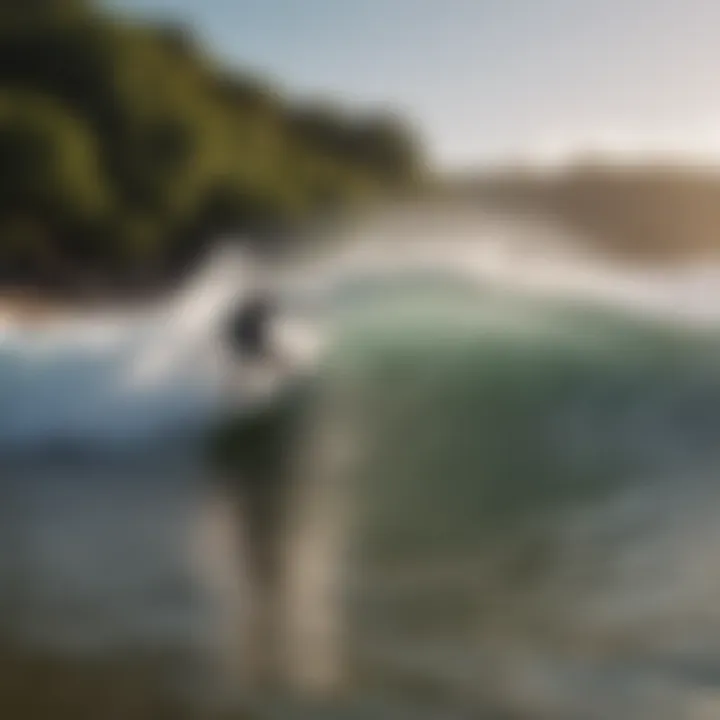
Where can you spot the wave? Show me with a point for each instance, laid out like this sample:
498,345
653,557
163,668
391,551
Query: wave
532,459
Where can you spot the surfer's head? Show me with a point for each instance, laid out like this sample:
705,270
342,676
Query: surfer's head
249,326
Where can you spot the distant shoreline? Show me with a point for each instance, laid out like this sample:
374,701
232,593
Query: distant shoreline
31,306
651,213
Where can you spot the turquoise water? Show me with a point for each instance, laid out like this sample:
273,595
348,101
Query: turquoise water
535,492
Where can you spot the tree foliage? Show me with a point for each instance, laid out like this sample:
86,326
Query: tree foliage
125,147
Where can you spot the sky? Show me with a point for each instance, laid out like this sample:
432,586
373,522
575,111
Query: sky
490,81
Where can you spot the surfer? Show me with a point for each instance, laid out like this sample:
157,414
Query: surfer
254,452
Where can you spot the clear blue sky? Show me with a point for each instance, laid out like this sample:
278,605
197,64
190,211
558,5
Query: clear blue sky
490,79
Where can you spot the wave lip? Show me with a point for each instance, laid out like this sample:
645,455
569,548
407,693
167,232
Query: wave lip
122,379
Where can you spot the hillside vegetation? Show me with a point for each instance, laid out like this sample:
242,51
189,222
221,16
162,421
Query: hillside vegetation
124,147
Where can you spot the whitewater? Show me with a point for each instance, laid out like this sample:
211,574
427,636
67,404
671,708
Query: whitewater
531,475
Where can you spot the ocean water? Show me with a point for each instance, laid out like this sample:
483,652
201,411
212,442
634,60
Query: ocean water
508,488
546,537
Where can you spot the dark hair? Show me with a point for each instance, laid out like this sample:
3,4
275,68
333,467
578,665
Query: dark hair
250,323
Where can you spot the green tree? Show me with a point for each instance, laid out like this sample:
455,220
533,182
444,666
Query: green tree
126,145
